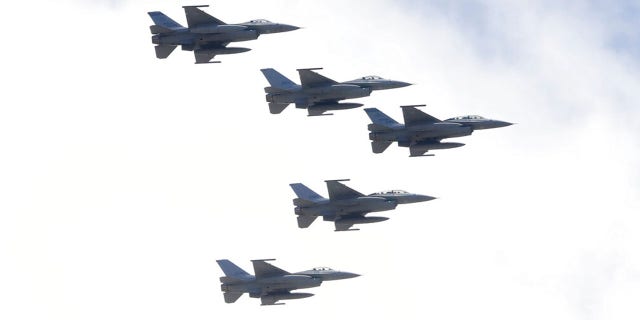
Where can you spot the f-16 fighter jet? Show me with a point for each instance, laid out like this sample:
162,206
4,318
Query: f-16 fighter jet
272,284
422,132
319,94
206,35
345,206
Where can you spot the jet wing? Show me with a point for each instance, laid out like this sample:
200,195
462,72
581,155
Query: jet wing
203,57
262,269
343,226
413,116
345,223
204,53
197,17
338,191
416,152
310,79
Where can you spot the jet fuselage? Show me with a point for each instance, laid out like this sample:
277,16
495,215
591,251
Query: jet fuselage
312,95
333,209
286,282
439,130
188,38
204,34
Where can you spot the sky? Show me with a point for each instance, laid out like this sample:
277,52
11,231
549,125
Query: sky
123,177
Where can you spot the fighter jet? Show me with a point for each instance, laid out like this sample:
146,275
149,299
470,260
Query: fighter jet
319,94
345,206
206,35
422,132
272,284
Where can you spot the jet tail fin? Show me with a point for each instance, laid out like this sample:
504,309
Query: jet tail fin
231,297
277,80
163,24
380,120
304,193
231,270
163,51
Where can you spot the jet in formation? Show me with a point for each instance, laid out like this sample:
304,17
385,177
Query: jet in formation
422,132
272,284
319,94
345,206
206,35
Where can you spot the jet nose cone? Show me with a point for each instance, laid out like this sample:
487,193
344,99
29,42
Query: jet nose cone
422,198
401,84
348,275
500,124
288,27
397,84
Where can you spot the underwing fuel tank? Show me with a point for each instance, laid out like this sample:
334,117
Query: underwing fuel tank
229,50
336,106
290,296
271,299
436,146
363,220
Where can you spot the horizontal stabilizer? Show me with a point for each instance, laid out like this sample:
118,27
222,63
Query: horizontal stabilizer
231,297
163,51
276,108
380,146
305,221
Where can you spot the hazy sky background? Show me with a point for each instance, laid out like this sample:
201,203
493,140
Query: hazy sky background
123,177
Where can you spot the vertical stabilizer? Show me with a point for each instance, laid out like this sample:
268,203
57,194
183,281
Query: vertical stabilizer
161,20
303,192
231,270
278,81
381,120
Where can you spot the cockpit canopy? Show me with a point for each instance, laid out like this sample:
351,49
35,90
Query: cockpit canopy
260,21
467,118
389,192
322,269
371,78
